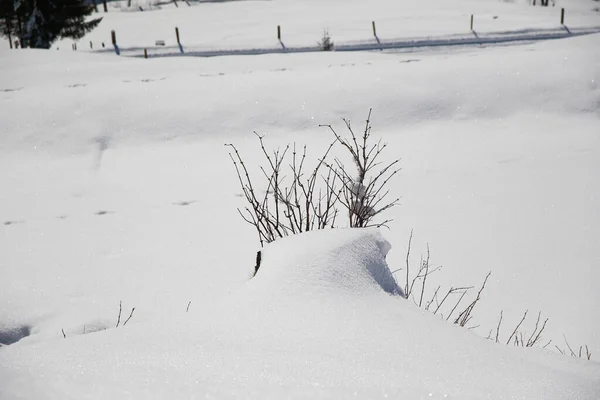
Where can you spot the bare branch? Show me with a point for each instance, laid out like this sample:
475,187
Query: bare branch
406,292
517,327
569,347
463,317
119,317
498,328
130,315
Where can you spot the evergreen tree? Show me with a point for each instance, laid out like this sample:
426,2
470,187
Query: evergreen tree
38,23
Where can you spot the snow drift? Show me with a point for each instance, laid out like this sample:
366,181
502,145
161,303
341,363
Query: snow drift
322,319
345,261
500,173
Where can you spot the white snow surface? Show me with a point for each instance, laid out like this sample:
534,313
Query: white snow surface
316,321
338,263
115,187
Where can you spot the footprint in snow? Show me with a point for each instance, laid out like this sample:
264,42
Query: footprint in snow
11,90
185,203
7,223
77,85
104,212
509,160
152,80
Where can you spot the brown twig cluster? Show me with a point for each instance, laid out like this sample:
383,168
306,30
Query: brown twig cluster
517,337
298,201
447,305
587,355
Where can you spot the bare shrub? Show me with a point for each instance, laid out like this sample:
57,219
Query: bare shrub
286,209
294,202
364,196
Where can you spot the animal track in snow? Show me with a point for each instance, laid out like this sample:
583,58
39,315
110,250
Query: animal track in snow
104,212
152,80
7,223
185,202
11,90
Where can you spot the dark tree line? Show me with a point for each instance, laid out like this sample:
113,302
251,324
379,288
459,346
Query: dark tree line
38,23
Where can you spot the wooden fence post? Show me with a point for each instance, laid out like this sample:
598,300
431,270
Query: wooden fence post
471,21
10,40
177,35
278,32
562,16
91,45
145,53
374,30
105,7
113,36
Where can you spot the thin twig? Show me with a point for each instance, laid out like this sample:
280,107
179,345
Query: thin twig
119,317
406,292
424,277
130,315
517,327
569,347
498,328
464,317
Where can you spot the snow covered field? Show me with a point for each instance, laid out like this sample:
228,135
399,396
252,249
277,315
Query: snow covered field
116,186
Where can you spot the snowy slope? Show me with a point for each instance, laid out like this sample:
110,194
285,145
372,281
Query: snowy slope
116,186
314,322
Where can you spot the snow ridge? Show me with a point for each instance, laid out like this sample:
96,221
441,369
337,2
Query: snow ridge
346,261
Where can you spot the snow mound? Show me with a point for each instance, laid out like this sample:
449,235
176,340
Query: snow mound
321,319
346,261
